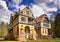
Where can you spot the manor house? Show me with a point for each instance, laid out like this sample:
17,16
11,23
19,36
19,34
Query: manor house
23,25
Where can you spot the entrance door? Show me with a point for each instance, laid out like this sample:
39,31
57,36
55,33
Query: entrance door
27,32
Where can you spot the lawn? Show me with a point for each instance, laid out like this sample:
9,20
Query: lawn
45,40
41,40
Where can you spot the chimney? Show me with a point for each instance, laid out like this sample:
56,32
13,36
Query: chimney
19,10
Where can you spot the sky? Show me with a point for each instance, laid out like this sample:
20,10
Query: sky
38,7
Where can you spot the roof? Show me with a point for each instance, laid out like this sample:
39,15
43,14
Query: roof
38,19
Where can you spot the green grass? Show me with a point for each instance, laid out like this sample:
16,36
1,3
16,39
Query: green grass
8,41
41,40
45,40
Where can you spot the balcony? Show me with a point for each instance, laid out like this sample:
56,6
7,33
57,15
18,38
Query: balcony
46,25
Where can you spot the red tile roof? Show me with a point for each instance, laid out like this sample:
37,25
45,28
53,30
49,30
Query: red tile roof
38,19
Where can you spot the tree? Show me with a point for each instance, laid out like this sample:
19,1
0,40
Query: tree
3,30
52,28
52,20
57,26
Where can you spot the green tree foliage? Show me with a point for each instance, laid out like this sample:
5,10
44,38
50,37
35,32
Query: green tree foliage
3,30
56,26
52,28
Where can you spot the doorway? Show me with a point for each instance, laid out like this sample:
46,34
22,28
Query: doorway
27,32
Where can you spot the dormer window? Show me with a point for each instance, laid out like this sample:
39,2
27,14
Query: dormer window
27,13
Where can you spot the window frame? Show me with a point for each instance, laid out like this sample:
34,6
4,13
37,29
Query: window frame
27,13
23,19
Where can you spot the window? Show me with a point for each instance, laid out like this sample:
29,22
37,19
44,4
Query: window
46,25
43,30
46,20
21,30
27,12
23,19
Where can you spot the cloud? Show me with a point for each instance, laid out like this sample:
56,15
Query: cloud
36,10
59,4
5,16
3,5
17,1
47,9
44,6
48,4
4,12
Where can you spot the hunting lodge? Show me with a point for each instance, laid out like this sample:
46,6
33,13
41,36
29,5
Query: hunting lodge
23,25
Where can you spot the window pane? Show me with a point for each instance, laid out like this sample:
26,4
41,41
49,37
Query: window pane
46,25
23,19
27,12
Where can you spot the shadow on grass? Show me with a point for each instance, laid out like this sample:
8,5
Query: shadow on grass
45,40
8,40
40,40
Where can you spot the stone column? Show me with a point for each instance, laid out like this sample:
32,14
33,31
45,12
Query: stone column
19,36
34,35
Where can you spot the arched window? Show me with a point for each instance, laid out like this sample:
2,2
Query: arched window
27,29
21,30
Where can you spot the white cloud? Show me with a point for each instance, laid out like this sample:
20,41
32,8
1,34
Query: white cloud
50,5
5,15
17,1
15,4
3,4
36,10
59,3
47,9
4,12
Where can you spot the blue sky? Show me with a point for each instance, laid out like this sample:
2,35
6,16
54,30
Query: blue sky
37,7
23,2
29,2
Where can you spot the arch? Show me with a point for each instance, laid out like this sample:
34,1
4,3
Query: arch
27,29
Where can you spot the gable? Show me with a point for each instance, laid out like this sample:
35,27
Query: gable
41,18
26,11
